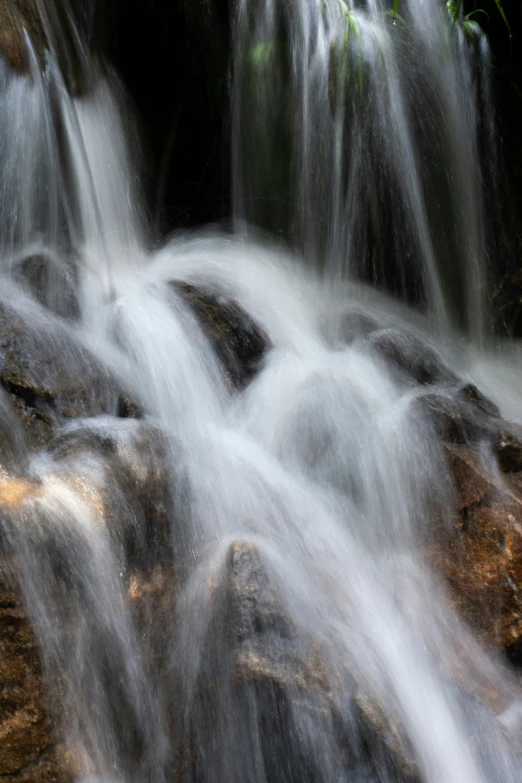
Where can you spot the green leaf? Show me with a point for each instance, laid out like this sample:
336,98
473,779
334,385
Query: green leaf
456,10
474,13
354,24
472,29
395,17
395,8
503,15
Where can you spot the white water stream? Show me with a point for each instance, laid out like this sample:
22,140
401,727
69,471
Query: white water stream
323,461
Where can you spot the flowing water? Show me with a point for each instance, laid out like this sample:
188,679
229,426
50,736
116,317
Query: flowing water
323,466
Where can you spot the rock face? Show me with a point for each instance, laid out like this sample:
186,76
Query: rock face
410,357
289,676
27,752
480,551
50,283
239,343
49,376
15,17
269,662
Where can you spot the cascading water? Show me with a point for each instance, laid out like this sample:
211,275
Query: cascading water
322,479
357,135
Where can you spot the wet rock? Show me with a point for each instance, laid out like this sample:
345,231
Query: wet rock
49,375
267,646
239,343
131,487
13,449
128,408
356,323
50,283
287,675
22,18
480,552
253,608
27,752
119,470
386,738
411,357
508,448
466,417
15,18
479,402
461,416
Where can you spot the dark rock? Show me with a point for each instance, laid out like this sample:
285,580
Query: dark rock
454,421
13,449
253,609
468,418
459,420
51,283
411,357
238,342
508,448
355,323
288,677
470,393
49,375
386,739
128,409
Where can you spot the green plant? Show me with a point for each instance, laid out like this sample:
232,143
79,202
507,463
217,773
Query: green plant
454,6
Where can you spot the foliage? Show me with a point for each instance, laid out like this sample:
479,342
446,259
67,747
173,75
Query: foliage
469,25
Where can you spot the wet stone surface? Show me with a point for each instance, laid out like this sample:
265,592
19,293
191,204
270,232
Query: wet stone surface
49,376
27,752
238,342
480,552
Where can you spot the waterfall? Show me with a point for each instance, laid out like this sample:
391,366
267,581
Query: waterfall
357,136
234,586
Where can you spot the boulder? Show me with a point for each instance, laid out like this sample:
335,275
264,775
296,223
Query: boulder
49,282
355,323
479,552
411,358
121,469
132,483
48,374
239,343
289,678
462,415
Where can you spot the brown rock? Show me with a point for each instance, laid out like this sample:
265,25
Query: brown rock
480,553
26,749
15,17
